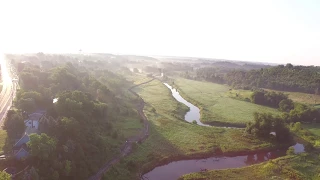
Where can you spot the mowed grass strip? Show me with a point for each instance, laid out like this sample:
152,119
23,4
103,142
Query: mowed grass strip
217,102
171,138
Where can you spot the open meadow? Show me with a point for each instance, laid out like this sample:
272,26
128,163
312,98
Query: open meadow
219,104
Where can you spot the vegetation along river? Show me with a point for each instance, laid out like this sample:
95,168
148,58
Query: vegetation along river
176,169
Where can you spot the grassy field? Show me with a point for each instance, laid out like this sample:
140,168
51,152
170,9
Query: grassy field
137,78
219,104
302,97
172,138
300,167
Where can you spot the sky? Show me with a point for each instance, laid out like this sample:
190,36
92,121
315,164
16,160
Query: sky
277,31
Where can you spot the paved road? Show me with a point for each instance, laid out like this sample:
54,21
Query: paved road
8,89
126,148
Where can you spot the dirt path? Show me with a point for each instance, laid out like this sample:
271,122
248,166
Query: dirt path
127,147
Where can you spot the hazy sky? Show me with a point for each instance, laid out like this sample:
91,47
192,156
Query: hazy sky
278,31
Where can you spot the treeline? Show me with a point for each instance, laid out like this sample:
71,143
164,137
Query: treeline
81,130
272,99
285,78
293,111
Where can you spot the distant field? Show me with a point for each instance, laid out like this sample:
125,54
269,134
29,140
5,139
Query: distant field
172,138
138,78
302,97
218,103
314,128
303,166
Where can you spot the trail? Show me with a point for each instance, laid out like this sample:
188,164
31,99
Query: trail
127,147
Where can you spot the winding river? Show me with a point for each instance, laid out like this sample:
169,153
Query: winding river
194,112
174,170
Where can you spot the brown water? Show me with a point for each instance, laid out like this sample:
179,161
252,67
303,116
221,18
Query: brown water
176,169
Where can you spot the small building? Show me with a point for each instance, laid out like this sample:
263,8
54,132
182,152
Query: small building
20,149
21,153
32,123
23,140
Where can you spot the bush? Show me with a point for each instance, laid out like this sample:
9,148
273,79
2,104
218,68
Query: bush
290,151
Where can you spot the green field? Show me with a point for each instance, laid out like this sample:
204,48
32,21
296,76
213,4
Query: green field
302,97
314,128
218,103
173,138
303,166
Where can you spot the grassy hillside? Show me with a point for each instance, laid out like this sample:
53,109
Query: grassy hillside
219,104
303,166
173,138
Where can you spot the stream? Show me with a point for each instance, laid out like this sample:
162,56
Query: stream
175,169
194,112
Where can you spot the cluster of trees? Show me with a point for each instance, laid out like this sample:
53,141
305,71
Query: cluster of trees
285,78
272,99
265,123
78,134
302,113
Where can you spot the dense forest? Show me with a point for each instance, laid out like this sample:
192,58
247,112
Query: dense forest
285,78
82,130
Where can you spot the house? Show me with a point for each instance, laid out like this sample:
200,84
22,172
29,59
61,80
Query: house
21,154
20,149
32,123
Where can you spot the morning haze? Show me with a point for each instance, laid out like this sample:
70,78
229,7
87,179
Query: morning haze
159,90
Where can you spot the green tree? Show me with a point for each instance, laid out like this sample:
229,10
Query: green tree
290,151
14,124
41,146
282,131
297,126
4,176
33,174
286,105
67,167
27,105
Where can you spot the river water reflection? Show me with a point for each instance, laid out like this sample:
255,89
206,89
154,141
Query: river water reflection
176,169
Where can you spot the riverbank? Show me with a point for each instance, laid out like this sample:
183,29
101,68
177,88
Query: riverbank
302,166
171,138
